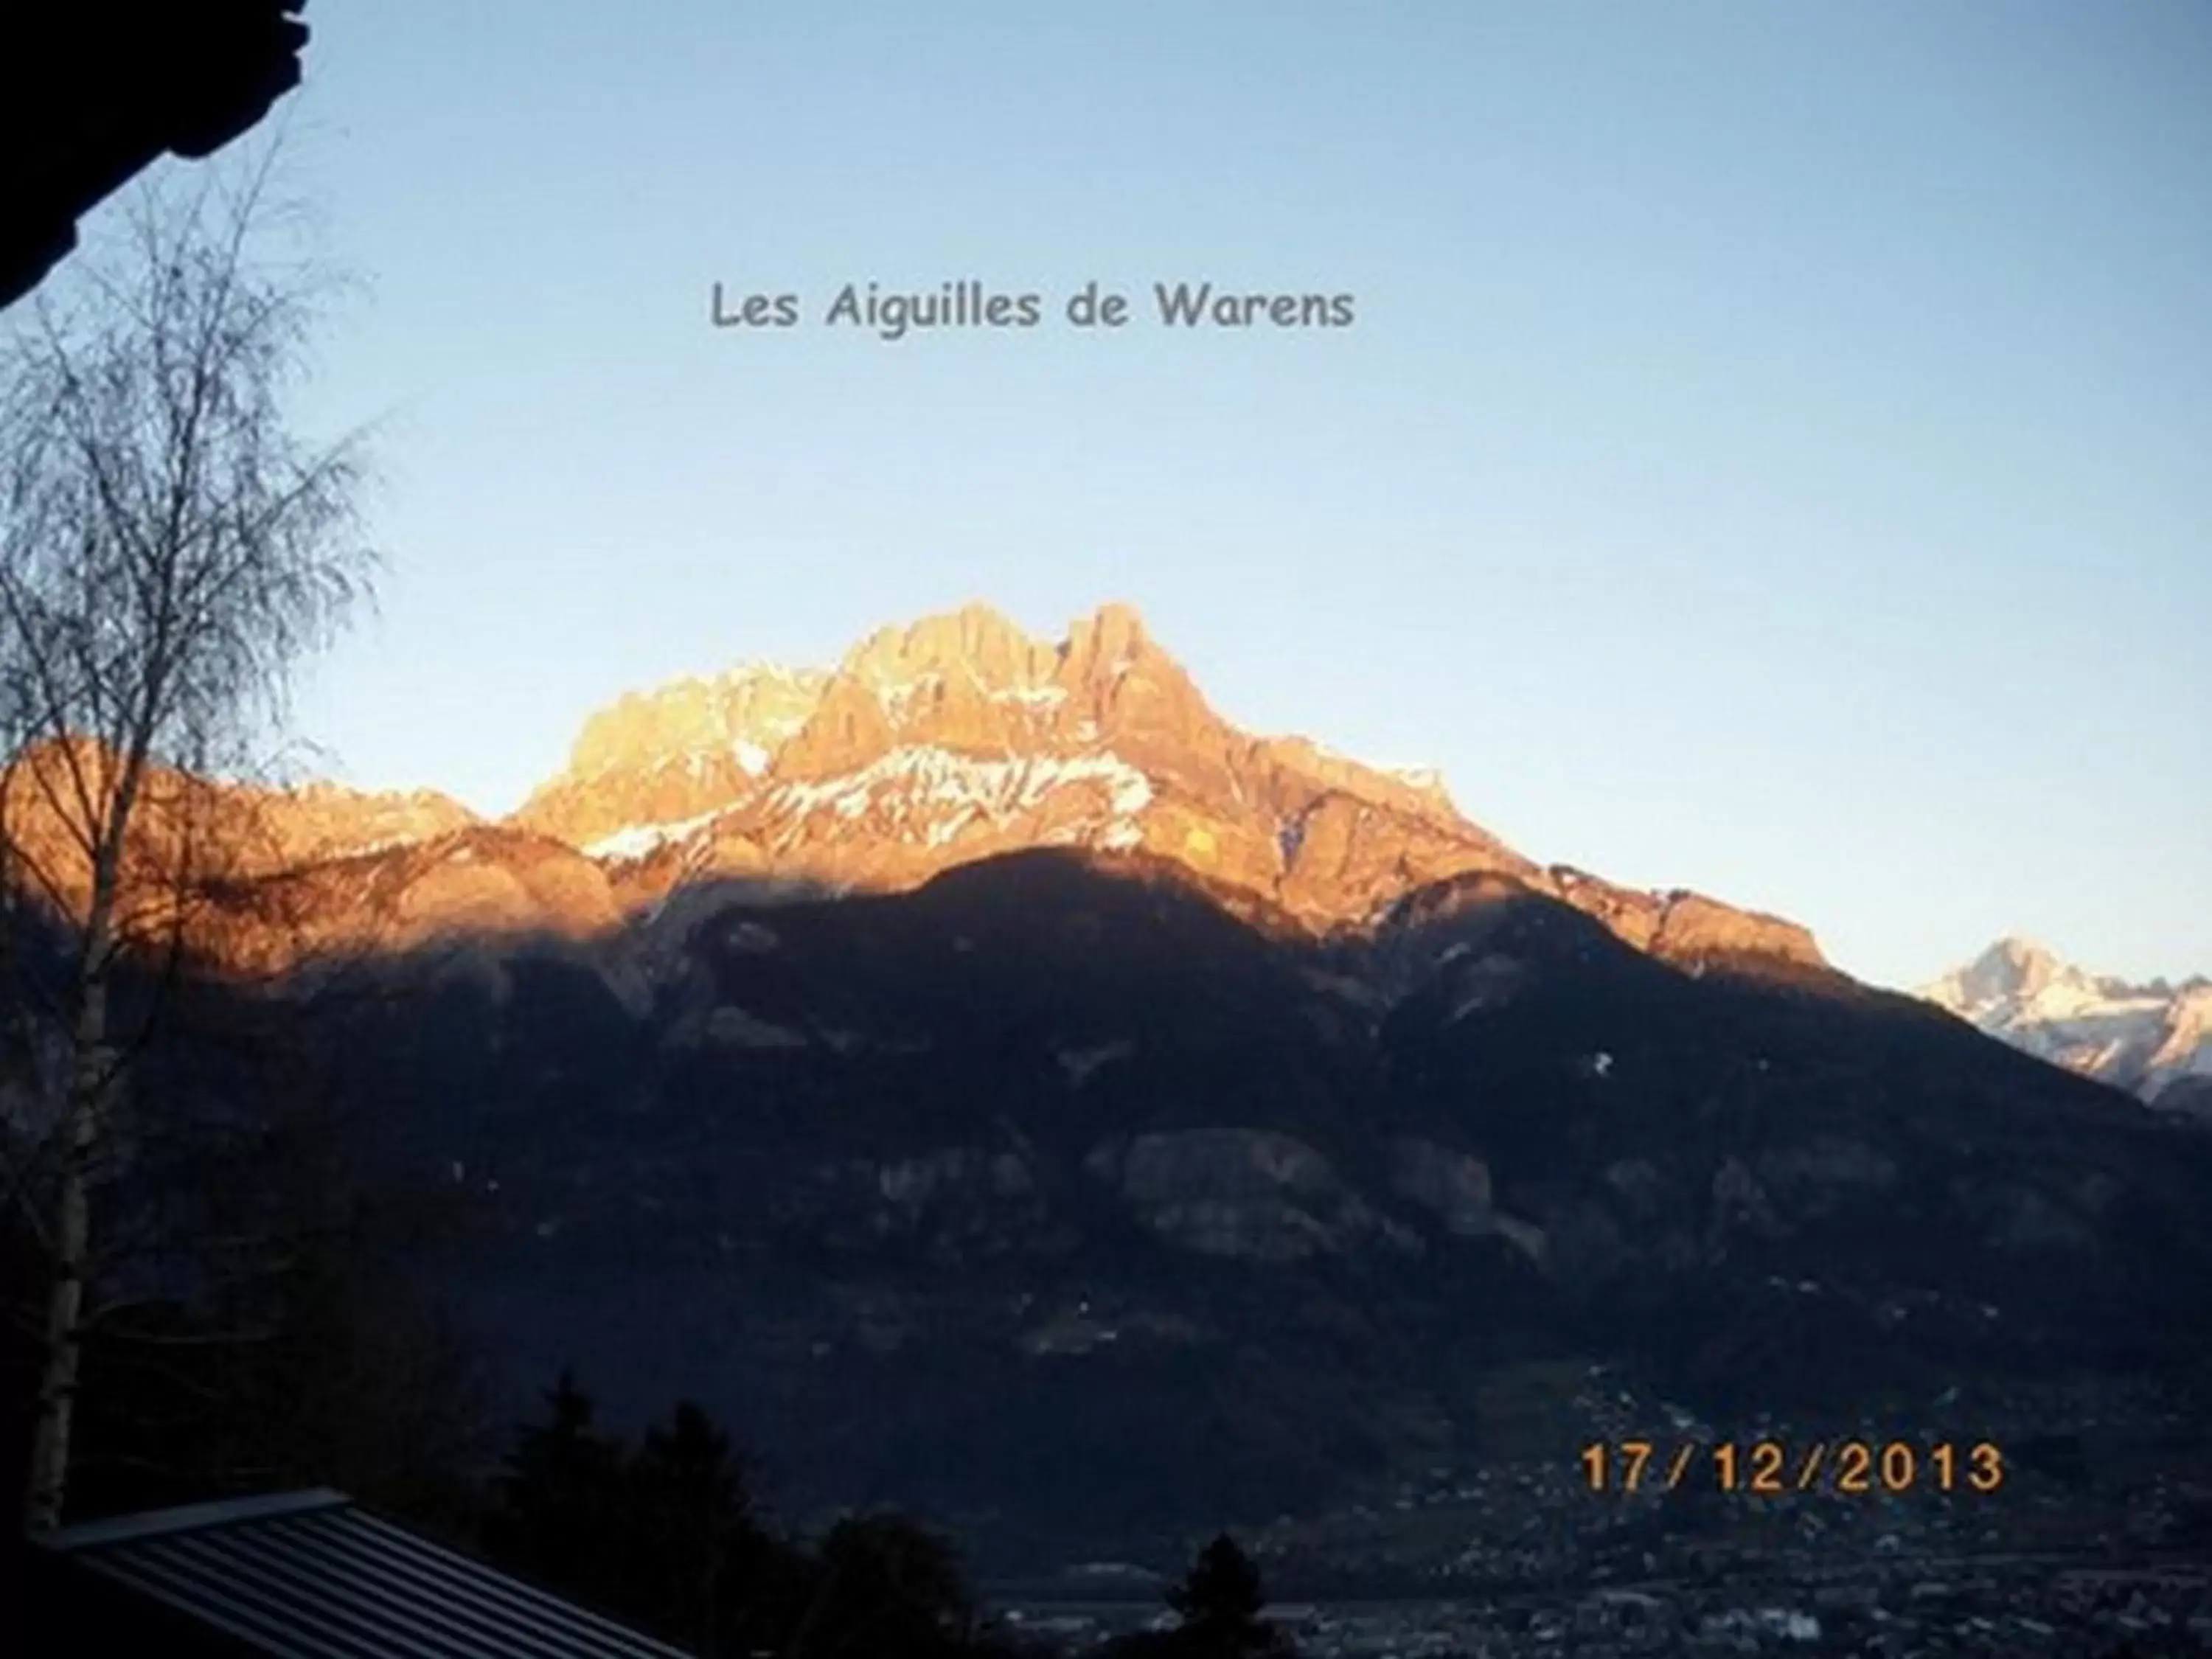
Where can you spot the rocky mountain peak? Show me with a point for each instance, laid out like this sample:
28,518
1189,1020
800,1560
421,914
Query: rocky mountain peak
2011,967
748,712
2014,966
975,643
673,754
1104,645
2152,1039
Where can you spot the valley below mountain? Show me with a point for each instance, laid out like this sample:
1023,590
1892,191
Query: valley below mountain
998,1085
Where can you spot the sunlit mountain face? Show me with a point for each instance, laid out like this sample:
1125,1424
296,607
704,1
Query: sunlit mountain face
993,1083
2154,1040
956,739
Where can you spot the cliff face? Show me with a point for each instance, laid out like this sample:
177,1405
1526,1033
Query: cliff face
954,740
666,757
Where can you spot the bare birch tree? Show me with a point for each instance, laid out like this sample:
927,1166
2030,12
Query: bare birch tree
170,549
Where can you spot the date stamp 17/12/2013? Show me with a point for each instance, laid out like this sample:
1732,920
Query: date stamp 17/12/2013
1772,1468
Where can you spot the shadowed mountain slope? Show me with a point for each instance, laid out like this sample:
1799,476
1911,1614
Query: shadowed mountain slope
1006,1088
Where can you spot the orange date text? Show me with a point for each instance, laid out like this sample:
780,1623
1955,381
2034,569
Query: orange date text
1774,1469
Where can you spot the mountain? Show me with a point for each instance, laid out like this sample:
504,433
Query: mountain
956,739
2154,1040
1057,1197
993,1082
961,738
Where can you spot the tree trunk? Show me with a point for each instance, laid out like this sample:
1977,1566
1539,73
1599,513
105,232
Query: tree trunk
50,1443
90,1082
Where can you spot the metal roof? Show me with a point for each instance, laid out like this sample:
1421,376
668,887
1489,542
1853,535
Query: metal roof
310,1575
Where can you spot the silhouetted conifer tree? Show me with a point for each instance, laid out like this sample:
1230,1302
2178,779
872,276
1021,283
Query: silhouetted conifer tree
1222,1589
690,1543
666,1539
1219,1601
558,1501
884,1585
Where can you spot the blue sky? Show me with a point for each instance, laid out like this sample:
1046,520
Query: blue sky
1773,453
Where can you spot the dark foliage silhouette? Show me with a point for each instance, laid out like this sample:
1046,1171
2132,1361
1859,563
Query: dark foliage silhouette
1219,1601
882,1584
556,1499
665,1537
694,1552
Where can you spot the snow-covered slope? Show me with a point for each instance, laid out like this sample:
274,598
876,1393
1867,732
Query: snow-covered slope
2154,1040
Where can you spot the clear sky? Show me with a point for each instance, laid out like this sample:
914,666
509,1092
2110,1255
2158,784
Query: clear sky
1773,453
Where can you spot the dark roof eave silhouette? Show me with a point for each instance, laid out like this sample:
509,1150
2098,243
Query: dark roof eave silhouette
299,1574
92,94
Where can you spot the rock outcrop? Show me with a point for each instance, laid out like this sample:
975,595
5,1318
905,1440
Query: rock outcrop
1251,1193
671,757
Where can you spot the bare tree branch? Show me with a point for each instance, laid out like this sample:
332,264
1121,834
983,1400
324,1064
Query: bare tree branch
169,549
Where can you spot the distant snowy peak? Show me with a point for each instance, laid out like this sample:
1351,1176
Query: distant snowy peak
2154,1040
2018,974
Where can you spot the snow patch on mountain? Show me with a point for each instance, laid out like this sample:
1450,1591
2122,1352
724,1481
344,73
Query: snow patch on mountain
921,780
638,841
1428,778
898,697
